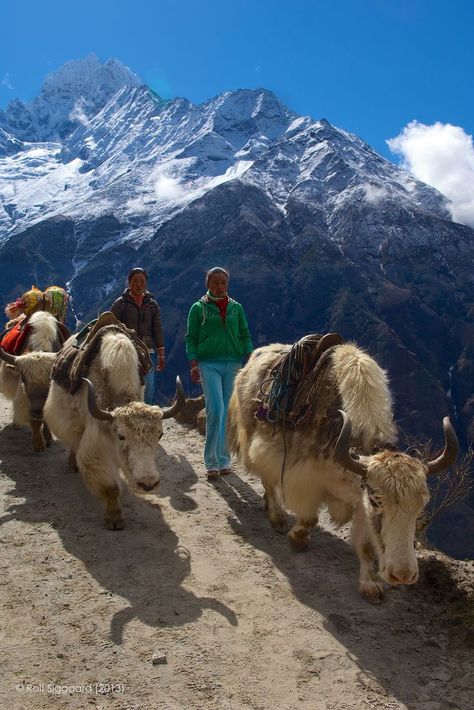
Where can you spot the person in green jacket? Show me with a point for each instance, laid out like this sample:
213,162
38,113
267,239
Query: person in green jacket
217,340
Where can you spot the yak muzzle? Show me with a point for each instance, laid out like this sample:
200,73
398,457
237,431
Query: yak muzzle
402,575
147,486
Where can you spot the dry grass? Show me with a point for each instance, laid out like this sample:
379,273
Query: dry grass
449,487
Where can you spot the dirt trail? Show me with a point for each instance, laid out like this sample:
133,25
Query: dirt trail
199,578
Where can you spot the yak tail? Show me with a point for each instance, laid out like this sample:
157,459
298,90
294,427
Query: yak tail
232,429
365,394
120,360
44,333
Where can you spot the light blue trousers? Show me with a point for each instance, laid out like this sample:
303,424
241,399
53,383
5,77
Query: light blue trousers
217,382
150,381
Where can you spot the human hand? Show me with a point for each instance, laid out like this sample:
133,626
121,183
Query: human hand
160,365
195,375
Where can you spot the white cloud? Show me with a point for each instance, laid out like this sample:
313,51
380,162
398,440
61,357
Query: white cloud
78,114
6,81
168,189
137,206
375,194
441,155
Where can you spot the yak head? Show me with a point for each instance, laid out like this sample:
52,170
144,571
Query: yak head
34,372
395,492
136,429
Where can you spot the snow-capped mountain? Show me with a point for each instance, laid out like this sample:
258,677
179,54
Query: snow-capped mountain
69,97
151,158
321,233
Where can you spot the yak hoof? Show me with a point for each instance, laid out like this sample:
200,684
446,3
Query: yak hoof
299,540
279,524
39,447
114,522
372,592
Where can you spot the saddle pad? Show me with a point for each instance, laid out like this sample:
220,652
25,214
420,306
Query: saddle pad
14,340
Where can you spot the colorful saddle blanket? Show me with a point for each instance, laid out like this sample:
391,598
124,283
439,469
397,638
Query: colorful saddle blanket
289,393
76,357
14,340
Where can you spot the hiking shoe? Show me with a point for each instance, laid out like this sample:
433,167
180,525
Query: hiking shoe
212,473
225,471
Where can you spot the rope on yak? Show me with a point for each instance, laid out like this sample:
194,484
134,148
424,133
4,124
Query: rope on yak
291,388
289,393
285,377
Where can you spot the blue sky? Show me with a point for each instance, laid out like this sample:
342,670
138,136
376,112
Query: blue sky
368,66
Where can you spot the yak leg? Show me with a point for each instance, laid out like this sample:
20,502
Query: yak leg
113,513
72,463
17,419
47,434
9,380
100,479
38,440
274,509
299,533
370,587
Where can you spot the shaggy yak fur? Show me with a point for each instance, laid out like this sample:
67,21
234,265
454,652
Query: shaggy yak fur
304,468
108,428
24,379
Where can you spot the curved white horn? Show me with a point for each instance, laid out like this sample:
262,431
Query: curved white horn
94,408
8,357
450,451
178,404
341,450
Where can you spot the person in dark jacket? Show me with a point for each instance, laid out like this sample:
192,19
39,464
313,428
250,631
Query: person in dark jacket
138,310
217,340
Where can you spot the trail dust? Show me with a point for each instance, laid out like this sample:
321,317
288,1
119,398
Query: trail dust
198,604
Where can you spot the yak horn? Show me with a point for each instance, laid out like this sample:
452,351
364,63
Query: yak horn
8,357
94,408
449,453
341,450
178,404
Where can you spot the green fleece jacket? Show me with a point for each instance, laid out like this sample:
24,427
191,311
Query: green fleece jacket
209,337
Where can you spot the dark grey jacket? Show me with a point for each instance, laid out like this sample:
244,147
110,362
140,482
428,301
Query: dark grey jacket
145,321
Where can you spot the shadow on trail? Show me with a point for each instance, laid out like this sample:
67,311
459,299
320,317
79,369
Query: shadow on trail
404,644
144,564
179,479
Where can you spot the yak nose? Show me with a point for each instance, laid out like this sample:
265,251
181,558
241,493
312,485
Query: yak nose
402,576
145,486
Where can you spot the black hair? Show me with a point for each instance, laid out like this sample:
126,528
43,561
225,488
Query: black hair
136,270
216,270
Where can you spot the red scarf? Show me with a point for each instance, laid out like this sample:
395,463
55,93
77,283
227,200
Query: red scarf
222,306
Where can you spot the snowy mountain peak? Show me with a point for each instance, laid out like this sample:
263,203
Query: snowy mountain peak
69,97
244,113
83,77
8,144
